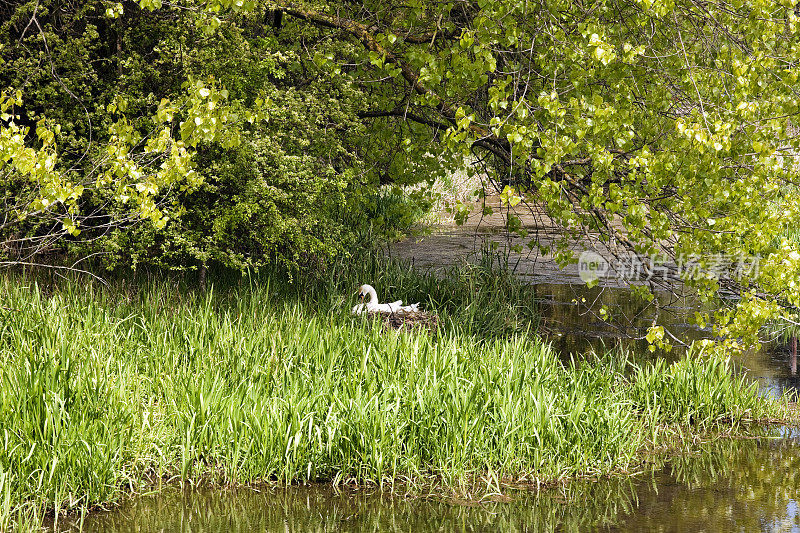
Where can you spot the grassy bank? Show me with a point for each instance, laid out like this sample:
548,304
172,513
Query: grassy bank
103,391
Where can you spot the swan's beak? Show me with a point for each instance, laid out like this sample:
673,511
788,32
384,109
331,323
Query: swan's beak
360,295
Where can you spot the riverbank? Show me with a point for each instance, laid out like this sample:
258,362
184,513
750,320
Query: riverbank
269,379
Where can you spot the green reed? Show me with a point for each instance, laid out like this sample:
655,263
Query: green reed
106,390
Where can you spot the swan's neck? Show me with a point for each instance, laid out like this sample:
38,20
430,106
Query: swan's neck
373,297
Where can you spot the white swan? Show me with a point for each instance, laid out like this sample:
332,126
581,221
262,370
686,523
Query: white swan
372,305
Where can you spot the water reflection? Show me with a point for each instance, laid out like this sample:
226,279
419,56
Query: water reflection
732,485
739,486
573,322
771,367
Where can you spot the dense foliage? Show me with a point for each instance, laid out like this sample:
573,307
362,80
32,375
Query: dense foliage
249,132
239,147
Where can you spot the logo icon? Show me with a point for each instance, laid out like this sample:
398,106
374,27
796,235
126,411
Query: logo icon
591,266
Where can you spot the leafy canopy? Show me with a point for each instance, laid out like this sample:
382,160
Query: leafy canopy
667,128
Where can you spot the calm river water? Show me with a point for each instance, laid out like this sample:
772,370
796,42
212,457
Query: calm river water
730,485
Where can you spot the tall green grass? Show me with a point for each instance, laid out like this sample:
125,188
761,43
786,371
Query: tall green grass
106,390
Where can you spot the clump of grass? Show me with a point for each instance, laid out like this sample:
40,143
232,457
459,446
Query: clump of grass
104,390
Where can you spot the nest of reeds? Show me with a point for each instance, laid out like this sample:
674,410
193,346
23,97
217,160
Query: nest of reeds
419,319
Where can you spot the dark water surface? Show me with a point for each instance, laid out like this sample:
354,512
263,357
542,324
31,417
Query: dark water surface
575,327
730,485
733,485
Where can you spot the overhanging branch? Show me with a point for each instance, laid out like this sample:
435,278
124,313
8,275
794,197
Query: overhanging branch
405,115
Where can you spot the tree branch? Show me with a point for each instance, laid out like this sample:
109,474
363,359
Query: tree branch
364,34
397,112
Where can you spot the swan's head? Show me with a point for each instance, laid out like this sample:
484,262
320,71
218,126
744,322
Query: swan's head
364,291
